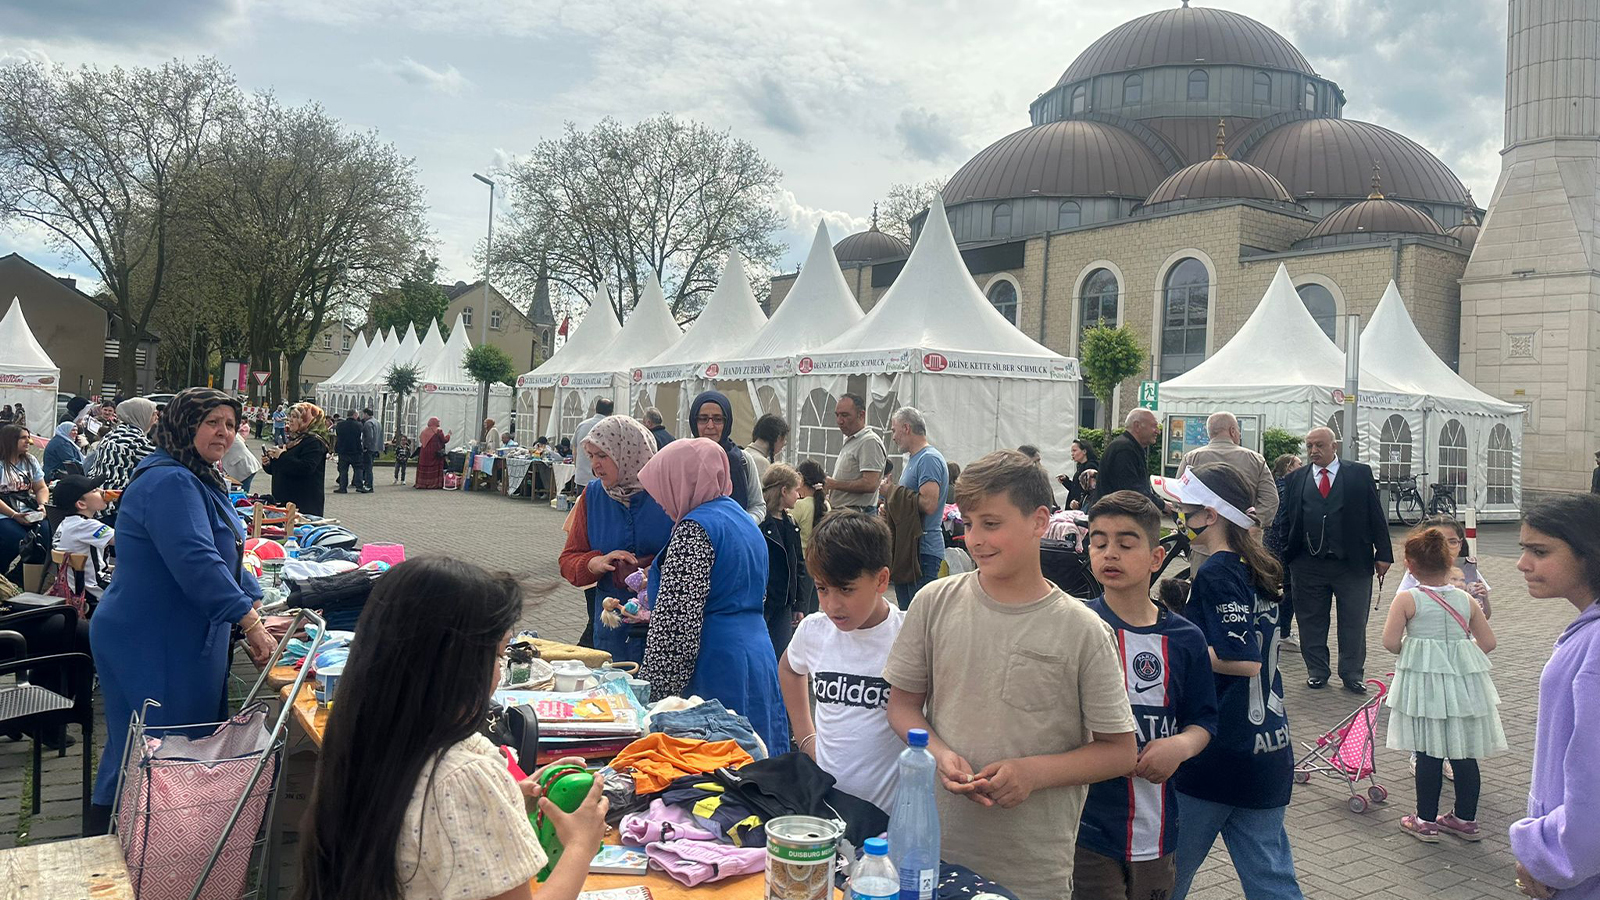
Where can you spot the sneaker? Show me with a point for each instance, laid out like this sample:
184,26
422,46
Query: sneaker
1449,771
1467,831
1424,831
1289,643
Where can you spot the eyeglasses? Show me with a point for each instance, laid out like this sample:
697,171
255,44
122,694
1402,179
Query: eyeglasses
710,420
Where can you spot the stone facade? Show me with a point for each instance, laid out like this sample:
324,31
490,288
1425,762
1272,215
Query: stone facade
520,336
329,350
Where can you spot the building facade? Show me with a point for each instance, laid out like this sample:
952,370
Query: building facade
74,328
528,337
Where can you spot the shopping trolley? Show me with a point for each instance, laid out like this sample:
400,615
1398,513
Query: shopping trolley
1348,753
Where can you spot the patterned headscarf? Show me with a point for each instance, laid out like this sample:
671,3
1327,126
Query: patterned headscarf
138,412
181,421
313,423
685,474
630,445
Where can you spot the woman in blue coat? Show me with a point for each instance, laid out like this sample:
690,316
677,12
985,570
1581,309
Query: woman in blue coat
708,634
616,529
162,630
62,449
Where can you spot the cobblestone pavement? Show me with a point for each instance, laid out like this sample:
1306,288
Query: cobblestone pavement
1338,853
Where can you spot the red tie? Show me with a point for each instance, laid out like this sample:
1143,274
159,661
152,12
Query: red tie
1322,483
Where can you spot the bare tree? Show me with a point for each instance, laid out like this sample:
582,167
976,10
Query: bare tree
99,160
906,201
617,202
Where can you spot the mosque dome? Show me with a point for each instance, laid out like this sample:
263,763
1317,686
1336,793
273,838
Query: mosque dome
870,245
1072,158
1469,229
1375,215
1183,37
1219,178
1330,158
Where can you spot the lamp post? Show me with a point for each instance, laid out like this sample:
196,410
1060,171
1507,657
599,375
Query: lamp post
488,251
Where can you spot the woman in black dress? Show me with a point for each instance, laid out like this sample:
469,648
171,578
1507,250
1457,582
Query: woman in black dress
299,468
1085,457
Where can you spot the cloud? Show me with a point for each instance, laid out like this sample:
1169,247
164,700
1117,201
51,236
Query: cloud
925,135
802,219
148,22
776,108
24,56
408,71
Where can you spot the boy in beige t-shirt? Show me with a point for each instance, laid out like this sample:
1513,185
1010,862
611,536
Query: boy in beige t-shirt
1019,688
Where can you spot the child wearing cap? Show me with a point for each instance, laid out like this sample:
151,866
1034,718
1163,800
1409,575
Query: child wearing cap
80,532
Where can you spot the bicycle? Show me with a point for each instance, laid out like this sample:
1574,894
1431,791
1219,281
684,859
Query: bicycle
1409,507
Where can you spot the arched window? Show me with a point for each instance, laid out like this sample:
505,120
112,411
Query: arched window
1003,294
1335,424
641,403
1098,304
818,437
1070,215
1311,98
1132,89
572,413
1453,459
1187,307
1501,466
1320,303
1199,84
1002,220
1080,99
1394,450
1263,88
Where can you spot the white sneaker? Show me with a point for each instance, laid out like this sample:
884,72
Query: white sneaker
1449,773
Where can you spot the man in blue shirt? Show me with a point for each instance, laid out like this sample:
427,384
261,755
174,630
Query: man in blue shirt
928,477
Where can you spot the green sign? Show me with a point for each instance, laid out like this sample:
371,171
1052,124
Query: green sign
1149,394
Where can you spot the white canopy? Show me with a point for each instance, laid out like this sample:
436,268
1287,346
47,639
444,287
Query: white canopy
352,362
446,390
722,330
1394,351
28,377
377,360
581,352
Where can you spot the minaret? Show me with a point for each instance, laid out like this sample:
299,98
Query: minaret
1530,298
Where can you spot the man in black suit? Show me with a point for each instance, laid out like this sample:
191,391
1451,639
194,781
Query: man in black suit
1337,538
347,442
1125,464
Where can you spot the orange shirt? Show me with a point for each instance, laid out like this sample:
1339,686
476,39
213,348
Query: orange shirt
656,759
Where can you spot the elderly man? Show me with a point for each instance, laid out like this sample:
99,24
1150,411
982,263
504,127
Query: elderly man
1337,538
1223,428
1125,466
915,507
859,469
658,427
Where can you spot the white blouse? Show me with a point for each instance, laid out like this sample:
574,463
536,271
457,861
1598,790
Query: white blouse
467,836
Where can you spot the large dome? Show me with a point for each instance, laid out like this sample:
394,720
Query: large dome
869,246
1376,216
1332,158
1183,37
1219,178
1073,158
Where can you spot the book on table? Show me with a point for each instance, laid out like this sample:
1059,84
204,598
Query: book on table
613,860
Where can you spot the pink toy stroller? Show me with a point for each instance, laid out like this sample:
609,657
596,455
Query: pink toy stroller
1348,753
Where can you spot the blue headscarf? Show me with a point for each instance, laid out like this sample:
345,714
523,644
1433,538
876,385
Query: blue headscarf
62,448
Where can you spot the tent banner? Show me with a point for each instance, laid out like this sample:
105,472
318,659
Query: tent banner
658,374
495,390
747,369
990,365
586,380
876,361
32,379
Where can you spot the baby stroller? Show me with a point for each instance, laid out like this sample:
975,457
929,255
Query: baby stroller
1348,753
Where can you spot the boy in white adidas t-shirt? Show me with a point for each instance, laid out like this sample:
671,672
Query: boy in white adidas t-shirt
80,532
837,657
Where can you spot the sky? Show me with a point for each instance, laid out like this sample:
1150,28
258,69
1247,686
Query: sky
845,98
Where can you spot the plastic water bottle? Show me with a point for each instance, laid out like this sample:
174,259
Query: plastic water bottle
914,827
292,549
873,877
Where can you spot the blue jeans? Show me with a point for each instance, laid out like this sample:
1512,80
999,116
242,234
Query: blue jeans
1255,839
711,721
930,570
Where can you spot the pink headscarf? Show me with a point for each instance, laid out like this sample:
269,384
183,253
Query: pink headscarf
686,473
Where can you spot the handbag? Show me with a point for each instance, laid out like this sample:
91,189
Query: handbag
75,595
516,728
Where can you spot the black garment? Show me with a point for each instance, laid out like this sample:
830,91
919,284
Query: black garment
299,475
1320,586
736,457
663,436
792,784
346,463
340,597
1125,466
1430,781
785,563
348,437
1594,481
1361,531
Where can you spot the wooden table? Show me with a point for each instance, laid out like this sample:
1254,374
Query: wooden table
68,870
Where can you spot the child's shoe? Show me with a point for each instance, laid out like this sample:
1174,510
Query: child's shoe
1467,831
1449,771
1424,831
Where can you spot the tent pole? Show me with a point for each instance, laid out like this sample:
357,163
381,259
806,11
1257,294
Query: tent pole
1352,387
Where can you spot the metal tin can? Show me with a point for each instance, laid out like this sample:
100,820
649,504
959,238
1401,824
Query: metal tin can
800,857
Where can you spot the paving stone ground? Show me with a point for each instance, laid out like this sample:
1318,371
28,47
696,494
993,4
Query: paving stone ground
1339,854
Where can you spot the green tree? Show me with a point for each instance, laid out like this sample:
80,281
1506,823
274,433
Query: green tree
418,300
1275,442
402,382
1109,356
488,364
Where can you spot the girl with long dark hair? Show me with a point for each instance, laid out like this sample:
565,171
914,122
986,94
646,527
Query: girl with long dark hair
410,800
22,492
807,515
1084,459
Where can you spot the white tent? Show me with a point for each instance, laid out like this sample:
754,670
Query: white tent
28,377
331,385
351,390
1282,370
537,391
448,392
934,341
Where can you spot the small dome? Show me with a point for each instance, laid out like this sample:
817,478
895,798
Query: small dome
1467,232
1330,158
1376,215
1219,178
870,245
1073,158
1184,37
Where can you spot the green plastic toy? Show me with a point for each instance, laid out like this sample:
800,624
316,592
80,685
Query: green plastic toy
566,787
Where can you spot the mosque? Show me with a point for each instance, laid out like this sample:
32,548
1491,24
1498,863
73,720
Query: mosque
1176,163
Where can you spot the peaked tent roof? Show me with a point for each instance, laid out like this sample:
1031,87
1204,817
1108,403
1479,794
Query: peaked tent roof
446,366
723,327
583,351
1393,350
20,351
818,308
352,362
376,360
432,345
649,331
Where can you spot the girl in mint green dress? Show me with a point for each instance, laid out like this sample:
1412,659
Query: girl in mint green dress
1443,702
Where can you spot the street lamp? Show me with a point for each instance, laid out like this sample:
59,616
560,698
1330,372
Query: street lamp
488,251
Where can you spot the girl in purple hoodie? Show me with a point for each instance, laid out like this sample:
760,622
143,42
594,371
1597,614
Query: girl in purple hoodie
1557,847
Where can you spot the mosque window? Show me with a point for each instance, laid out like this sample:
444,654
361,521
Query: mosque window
1080,99
1311,98
1187,307
1003,294
1394,450
1199,84
1002,220
1263,87
1501,463
1453,459
1070,215
1132,89
1099,298
1320,303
